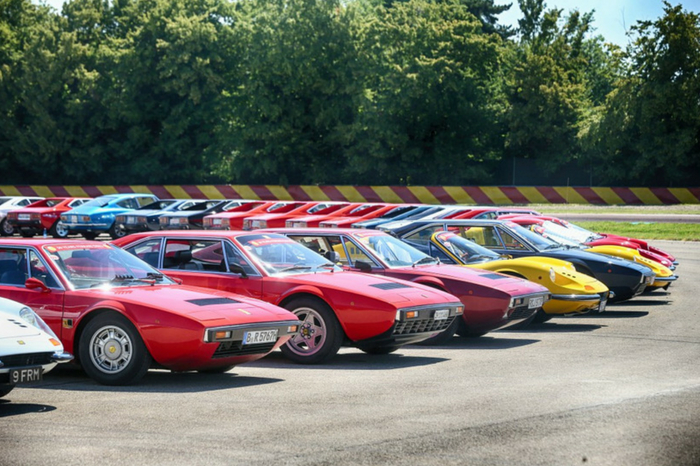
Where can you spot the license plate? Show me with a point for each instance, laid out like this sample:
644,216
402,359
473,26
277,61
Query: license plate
130,219
216,221
174,221
442,314
27,375
255,224
259,336
535,302
603,302
74,219
23,217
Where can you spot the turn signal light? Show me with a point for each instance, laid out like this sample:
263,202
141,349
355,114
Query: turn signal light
222,335
293,329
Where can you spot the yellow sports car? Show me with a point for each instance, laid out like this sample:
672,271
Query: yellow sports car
664,275
572,292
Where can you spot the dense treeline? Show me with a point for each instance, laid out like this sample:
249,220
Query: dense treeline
340,91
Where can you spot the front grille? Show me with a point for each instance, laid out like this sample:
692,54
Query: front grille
29,359
422,326
522,312
227,349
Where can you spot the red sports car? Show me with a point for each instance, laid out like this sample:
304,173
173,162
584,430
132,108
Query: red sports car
376,314
44,216
120,316
358,214
232,219
491,300
320,215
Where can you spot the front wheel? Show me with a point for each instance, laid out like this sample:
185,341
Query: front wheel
117,231
112,351
320,334
6,229
59,230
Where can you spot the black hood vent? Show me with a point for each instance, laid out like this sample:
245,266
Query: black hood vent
495,276
212,301
390,286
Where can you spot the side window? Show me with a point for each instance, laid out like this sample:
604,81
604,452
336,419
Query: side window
142,201
484,236
24,202
13,266
423,236
511,242
321,245
39,270
336,244
186,254
235,256
437,253
148,251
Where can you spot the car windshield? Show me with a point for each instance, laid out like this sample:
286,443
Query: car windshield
392,251
102,265
99,201
466,251
4,200
280,255
552,231
588,234
536,240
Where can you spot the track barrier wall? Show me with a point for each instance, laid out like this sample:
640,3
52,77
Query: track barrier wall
478,195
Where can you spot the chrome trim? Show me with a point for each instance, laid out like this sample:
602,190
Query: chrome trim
577,297
426,311
672,278
61,357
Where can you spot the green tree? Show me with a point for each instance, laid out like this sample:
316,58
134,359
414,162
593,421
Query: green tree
431,108
294,103
649,134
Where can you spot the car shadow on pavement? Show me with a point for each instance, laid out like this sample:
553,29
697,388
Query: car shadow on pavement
7,408
487,342
155,381
352,359
561,325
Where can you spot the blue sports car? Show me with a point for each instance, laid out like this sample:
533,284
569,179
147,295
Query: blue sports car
98,215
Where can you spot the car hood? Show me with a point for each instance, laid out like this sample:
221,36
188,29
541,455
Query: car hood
387,289
14,327
210,306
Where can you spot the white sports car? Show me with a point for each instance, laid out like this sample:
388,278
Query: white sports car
28,347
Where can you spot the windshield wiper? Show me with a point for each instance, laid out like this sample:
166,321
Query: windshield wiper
295,267
131,278
426,259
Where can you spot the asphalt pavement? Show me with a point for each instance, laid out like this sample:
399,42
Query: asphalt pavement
620,388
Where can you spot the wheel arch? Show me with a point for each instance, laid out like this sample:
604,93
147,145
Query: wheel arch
92,315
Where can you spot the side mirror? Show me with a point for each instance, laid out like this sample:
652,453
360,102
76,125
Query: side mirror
36,284
332,256
236,268
364,266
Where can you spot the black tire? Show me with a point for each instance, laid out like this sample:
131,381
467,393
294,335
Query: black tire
128,359
6,229
379,349
444,336
320,334
89,235
541,316
117,231
5,389
58,230
216,370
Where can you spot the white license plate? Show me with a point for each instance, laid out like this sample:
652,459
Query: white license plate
535,302
130,220
603,302
23,217
74,219
27,375
216,221
255,224
174,221
442,314
259,336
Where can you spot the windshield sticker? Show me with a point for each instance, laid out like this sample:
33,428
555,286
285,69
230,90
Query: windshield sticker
73,247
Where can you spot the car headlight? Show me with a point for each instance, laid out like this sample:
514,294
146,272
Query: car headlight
552,274
34,320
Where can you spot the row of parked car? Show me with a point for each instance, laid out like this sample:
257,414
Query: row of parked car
208,284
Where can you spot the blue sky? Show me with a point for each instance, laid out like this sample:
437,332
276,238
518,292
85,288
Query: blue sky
612,17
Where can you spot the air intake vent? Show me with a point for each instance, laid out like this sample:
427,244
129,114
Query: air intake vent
213,301
389,286
494,276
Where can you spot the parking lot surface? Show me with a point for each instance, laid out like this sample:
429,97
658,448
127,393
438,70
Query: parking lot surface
620,388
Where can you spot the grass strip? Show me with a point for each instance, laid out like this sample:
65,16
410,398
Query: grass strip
647,230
